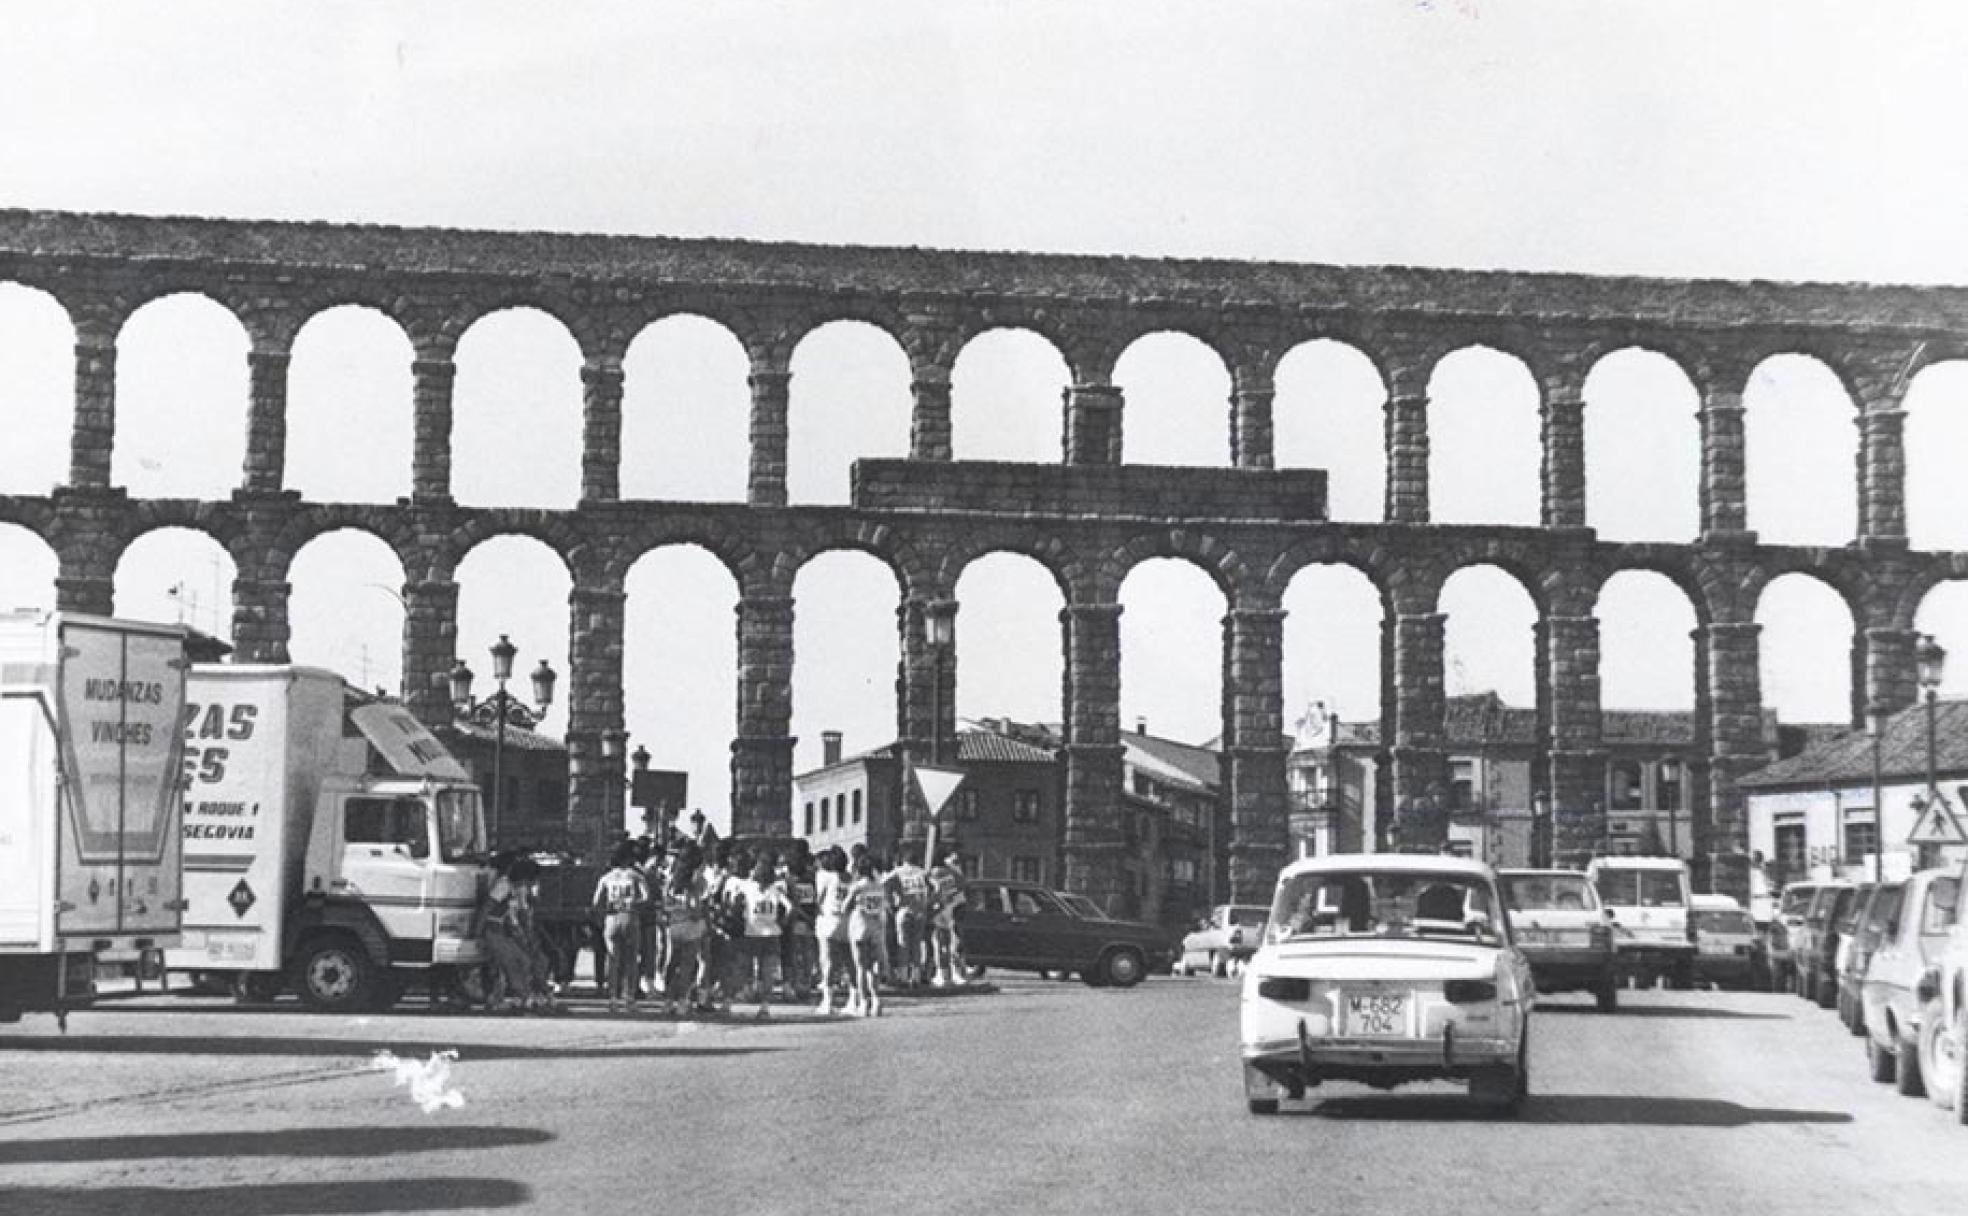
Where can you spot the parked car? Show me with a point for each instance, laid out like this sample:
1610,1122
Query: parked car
1566,936
1230,935
1945,1020
1899,990
1652,931
1855,952
1727,947
1816,956
1386,969
1021,926
1780,945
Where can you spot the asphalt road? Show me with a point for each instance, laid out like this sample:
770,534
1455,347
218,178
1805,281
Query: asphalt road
1041,1097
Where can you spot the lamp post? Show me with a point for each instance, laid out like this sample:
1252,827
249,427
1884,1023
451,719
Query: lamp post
1930,659
501,701
1540,830
941,629
1876,728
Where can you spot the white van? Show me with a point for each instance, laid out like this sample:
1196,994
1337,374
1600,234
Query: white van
1652,928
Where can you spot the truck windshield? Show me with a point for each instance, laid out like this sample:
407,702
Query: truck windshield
460,833
1640,888
1363,903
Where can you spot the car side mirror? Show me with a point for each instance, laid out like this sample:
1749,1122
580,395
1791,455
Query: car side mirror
1609,914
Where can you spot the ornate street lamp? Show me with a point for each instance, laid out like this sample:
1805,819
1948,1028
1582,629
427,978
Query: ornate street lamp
501,702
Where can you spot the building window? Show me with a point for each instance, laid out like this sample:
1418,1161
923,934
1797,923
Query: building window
1668,785
1142,785
1626,791
1025,806
809,819
970,865
966,804
826,813
1182,869
1025,869
1861,838
857,806
1462,785
1790,852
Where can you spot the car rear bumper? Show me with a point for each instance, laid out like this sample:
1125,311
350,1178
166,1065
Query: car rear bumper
1562,970
1285,1068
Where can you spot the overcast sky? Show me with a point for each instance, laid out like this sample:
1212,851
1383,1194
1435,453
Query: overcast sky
1788,140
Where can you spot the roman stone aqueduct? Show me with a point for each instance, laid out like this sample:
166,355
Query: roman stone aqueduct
1088,518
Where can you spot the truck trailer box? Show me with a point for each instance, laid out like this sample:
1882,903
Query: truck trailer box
259,743
90,772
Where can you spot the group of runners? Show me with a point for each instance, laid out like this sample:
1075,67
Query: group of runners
694,925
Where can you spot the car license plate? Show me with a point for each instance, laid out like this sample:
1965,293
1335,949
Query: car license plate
1377,1014
1532,935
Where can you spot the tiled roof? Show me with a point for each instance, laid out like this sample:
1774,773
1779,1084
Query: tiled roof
979,747
1846,758
1199,765
517,737
1483,719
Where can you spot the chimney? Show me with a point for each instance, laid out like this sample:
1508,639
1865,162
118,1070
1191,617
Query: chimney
1141,726
830,748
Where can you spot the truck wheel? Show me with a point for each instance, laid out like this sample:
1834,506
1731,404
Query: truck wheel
1123,967
334,974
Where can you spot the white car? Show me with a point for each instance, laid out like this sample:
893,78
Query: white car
1227,938
1944,1016
1897,994
1386,969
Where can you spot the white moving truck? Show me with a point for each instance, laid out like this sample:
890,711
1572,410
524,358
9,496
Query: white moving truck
89,802
336,849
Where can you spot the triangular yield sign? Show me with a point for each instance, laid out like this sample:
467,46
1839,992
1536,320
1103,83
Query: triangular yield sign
938,785
1937,824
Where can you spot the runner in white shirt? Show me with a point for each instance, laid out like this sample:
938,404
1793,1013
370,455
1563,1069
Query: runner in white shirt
867,923
909,885
766,907
831,927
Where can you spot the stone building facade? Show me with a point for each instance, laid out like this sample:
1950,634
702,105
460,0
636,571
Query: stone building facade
1090,518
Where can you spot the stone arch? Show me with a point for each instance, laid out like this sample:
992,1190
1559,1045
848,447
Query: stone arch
1485,448
867,388
1058,562
1799,680
37,363
533,373
1170,398
1213,556
1628,429
1168,621
1509,661
1003,610
847,673
1302,417
530,606
1699,585
181,397
160,556
1942,613
1334,642
349,616
680,662
1026,420
1935,432
1626,603
29,566
1800,442
693,443
366,391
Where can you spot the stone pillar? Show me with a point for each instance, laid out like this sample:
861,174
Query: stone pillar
94,594
260,628
1891,678
1093,424
771,391
762,754
929,420
1252,432
1735,705
430,647
1575,749
926,698
1420,756
1407,445
266,421
1724,505
601,431
93,437
1882,472
1254,751
1563,425
594,711
430,474
1093,843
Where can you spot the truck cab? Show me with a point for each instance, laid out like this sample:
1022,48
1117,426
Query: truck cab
1653,926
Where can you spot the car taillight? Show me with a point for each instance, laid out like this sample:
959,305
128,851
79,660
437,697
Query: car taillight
1469,992
1284,988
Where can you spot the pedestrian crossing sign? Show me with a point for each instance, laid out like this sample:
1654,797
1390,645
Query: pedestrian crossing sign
1937,824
